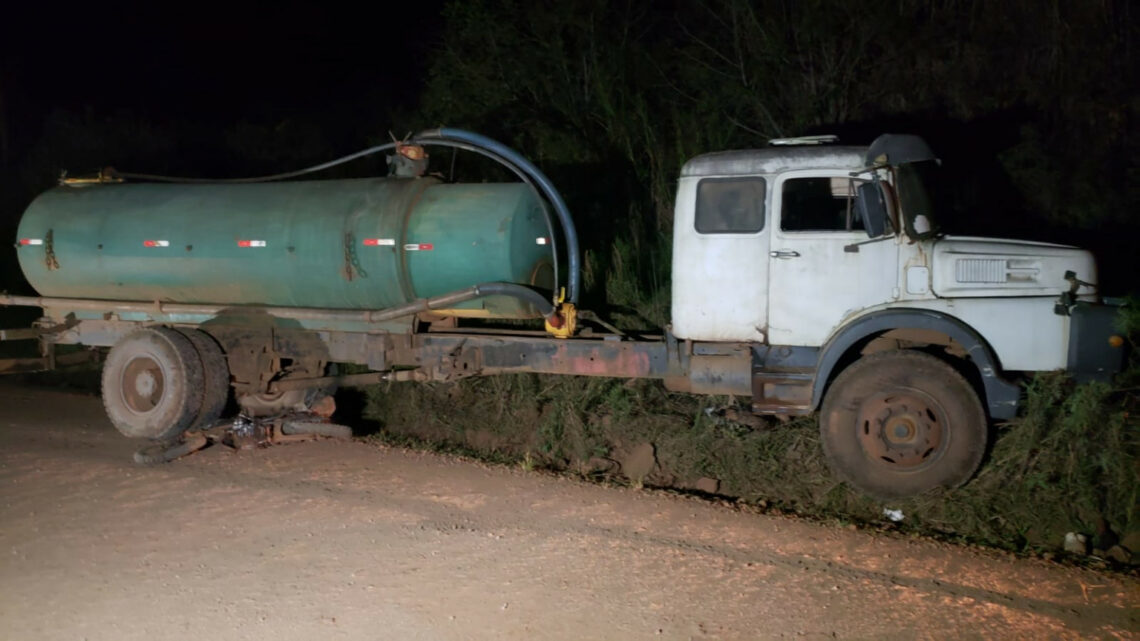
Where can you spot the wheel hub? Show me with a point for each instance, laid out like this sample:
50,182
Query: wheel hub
902,430
143,384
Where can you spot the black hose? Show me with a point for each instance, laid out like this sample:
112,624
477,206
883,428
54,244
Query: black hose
521,175
259,179
573,257
521,292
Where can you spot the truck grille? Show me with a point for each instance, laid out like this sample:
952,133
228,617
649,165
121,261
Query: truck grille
980,270
995,270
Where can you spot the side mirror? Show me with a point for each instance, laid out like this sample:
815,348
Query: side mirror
872,208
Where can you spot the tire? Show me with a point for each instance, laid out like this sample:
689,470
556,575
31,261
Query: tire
896,424
330,430
162,452
152,384
215,378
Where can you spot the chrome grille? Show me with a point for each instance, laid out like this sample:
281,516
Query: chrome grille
980,270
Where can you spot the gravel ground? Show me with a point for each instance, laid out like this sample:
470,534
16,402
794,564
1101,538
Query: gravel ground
351,540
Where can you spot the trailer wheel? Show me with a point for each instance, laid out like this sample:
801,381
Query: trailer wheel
216,378
152,384
895,424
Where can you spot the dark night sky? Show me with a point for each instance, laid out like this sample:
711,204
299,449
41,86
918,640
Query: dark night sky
186,62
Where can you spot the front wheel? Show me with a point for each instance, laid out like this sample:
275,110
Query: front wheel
895,424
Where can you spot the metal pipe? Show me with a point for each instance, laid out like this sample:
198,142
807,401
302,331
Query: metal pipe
443,301
547,187
350,380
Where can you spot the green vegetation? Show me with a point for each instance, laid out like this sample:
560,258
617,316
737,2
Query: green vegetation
1071,461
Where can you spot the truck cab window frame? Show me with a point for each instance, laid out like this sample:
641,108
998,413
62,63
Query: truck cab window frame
819,204
731,205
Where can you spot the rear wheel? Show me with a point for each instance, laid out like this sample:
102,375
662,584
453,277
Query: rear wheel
896,424
215,377
152,384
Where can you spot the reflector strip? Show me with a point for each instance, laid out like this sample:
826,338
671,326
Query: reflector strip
541,241
411,247
378,242
156,243
31,241
251,243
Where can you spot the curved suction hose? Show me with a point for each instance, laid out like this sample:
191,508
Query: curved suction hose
573,258
522,176
256,179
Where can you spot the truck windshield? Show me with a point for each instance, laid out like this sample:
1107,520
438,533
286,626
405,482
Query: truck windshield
918,189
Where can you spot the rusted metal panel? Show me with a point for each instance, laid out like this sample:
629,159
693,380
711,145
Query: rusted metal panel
461,355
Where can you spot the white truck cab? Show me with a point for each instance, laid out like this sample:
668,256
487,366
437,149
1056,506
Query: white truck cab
823,268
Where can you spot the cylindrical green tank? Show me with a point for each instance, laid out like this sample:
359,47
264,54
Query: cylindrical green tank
350,244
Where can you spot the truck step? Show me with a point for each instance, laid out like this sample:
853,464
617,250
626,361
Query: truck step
783,392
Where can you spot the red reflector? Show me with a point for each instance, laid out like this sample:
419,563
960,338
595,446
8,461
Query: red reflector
156,243
427,246
243,243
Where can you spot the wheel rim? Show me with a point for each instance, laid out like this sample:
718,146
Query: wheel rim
903,430
143,385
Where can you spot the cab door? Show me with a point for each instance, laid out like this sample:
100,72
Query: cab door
720,259
822,268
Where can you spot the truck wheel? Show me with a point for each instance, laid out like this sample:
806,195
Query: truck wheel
896,424
216,378
152,384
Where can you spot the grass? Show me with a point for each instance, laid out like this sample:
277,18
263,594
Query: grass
1070,462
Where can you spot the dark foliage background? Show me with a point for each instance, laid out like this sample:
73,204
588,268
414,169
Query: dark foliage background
1031,103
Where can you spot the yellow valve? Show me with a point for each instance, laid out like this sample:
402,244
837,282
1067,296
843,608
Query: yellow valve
565,321
1116,341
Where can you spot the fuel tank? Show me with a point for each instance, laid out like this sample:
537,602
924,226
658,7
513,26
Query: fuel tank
348,244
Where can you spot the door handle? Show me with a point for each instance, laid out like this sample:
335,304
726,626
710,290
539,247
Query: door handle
784,253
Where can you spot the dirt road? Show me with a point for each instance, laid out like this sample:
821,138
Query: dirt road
350,540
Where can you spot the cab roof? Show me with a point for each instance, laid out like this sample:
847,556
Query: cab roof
770,160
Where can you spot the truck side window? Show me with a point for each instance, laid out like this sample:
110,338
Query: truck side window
730,205
818,204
